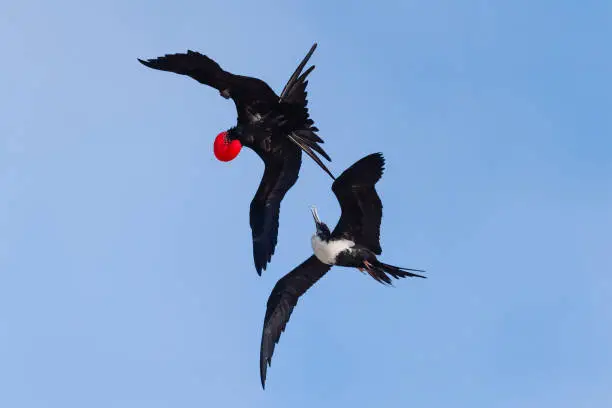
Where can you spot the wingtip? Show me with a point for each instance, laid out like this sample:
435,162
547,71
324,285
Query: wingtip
263,369
147,63
381,158
260,265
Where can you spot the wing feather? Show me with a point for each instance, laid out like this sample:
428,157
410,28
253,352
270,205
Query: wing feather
280,174
282,301
359,202
244,90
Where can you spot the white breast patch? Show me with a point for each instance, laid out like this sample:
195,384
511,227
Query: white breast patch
327,252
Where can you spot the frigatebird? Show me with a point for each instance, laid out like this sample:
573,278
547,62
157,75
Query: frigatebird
354,242
276,127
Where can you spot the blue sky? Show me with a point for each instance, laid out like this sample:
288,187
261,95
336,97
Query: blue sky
126,275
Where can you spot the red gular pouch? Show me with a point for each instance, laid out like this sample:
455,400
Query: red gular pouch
226,150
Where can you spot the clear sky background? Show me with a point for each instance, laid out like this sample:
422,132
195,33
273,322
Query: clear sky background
126,273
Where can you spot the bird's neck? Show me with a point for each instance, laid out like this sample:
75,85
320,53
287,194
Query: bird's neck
247,135
323,236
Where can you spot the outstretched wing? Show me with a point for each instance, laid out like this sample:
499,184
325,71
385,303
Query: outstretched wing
359,202
280,305
244,90
280,174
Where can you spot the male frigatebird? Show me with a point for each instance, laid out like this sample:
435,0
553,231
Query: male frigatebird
353,243
276,127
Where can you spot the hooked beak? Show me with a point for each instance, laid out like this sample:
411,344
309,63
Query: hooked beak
315,215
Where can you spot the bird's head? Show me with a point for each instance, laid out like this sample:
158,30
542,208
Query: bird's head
322,228
227,146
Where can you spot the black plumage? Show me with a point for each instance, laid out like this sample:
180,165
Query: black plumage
277,127
354,242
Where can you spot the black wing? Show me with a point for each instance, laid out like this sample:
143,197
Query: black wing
359,202
244,90
280,174
281,302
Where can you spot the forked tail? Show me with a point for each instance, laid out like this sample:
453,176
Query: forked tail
305,139
380,271
294,98
296,79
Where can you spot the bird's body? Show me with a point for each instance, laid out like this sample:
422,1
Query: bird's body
327,251
276,127
353,243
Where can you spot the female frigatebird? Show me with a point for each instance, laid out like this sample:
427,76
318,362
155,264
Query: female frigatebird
353,243
276,127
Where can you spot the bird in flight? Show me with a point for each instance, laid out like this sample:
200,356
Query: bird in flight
354,242
277,127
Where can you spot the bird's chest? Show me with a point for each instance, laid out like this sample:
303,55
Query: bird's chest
261,140
327,251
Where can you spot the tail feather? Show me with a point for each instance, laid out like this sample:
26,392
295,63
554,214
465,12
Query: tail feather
310,135
310,139
293,98
296,78
379,271
306,145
